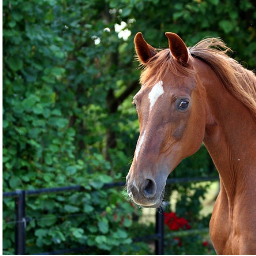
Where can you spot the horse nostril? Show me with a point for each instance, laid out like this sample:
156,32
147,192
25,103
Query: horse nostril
149,188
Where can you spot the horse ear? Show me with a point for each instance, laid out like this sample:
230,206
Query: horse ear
177,47
143,49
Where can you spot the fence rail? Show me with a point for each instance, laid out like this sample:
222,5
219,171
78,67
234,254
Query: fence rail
21,218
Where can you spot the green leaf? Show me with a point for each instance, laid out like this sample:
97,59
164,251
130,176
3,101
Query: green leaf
47,221
105,178
179,6
104,246
7,243
92,229
49,79
215,2
16,15
5,159
88,208
96,184
120,234
127,222
101,239
56,234
14,182
61,122
5,124
15,63
177,15
71,170
78,232
21,130
41,232
103,226
126,12
39,241
127,241
29,102
56,112
12,24
90,242
38,109
48,159
226,25
56,71
71,208
48,177
54,148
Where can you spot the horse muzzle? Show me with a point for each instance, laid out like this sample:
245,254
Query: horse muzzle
146,192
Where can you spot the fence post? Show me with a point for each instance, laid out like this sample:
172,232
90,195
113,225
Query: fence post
159,243
20,226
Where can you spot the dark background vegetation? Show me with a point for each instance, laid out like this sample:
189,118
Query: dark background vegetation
69,78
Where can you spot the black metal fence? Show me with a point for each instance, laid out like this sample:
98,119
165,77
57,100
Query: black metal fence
21,218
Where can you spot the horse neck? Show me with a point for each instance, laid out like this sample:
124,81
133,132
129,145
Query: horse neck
230,135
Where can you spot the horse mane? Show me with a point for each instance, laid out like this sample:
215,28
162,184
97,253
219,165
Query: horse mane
239,81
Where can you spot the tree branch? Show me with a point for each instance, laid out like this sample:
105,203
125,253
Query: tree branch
126,93
113,103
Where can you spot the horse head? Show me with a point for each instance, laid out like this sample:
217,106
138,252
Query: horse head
171,114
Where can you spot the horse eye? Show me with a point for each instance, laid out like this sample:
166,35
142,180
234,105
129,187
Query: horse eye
183,104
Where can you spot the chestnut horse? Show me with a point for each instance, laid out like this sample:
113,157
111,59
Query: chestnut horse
189,96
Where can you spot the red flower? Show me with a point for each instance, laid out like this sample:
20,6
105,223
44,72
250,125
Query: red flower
183,223
205,243
169,217
175,223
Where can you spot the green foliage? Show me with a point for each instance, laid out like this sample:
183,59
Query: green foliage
91,218
69,77
189,244
96,218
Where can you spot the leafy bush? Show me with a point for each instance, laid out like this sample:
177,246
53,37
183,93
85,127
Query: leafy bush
95,218
69,77
54,128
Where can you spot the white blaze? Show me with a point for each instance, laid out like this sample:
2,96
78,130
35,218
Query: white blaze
155,93
140,144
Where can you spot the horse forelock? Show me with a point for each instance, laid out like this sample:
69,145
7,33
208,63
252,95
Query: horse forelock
159,65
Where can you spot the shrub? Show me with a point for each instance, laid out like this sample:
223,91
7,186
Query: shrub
68,80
